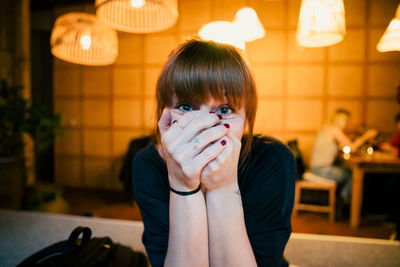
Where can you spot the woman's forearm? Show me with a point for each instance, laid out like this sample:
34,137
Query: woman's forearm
188,236
229,244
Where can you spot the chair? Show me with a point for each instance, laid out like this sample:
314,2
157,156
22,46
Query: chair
314,182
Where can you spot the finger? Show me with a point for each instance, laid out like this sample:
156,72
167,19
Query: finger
226,153
199,124
210,153
208,136
191,123
165,121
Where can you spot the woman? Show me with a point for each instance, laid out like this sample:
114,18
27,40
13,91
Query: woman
208,196
329,141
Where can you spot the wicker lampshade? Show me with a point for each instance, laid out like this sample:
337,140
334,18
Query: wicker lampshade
138,16
224,32
246,20
390,40
80,38
321,23
246,27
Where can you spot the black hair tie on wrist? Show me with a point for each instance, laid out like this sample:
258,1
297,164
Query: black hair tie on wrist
186,193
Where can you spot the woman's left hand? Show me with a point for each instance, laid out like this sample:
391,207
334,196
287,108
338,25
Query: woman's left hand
222,171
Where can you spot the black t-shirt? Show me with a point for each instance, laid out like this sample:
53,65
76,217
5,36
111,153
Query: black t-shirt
266,185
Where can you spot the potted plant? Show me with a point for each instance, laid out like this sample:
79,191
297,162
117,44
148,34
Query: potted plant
19,116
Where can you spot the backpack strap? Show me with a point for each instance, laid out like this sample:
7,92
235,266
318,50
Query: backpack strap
86,234
61,250
54,250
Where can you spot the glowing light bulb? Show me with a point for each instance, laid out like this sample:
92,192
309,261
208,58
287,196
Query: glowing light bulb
85,42
370,150
137,3
346,150
222,32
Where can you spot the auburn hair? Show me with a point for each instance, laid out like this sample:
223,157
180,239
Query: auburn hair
198,70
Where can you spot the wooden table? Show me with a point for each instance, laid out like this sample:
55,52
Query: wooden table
360,165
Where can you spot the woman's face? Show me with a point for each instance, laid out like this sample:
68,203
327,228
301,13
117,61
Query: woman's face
235,118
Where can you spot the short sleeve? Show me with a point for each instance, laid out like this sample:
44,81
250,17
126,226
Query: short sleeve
394,141
152,197
268,195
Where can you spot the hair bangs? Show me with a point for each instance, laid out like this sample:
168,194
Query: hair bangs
203,78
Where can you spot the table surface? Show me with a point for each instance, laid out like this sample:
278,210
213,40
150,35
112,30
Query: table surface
376,158
23,233
377,163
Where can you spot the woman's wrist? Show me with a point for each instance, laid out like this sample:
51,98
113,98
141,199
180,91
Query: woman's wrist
179,186
185,193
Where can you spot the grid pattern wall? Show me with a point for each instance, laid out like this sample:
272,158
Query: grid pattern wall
103,108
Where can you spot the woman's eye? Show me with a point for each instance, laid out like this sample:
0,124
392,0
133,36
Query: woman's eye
184,107
225,110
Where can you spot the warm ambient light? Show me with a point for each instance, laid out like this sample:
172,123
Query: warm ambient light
370,150
246,27
390,40
85,42
80,38
137,3
137,16
321,23
248,24
346,152
224,32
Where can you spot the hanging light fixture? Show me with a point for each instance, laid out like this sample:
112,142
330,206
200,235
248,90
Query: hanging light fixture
80,38
224,32
390,40
246,27
247,22
321,23
138,16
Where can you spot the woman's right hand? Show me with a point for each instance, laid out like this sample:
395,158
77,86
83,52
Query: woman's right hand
189,144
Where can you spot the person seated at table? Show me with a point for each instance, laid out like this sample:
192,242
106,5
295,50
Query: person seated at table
208,195
329,141
392,181
393,144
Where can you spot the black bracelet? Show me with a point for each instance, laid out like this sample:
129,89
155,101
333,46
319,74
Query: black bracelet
186,193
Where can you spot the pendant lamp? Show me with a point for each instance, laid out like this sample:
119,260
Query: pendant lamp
321,23
246,27
390,40
224,32
138,16
80,38
249,25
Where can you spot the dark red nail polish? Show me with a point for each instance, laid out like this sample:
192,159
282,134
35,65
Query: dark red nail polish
219,117
174,121
227,125
211,112
223,142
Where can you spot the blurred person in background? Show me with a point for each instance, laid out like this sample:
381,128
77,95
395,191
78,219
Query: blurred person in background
329,141
393,144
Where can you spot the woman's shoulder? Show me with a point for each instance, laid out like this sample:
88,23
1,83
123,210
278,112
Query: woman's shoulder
268,157
147,154
267,145
148,161
271,169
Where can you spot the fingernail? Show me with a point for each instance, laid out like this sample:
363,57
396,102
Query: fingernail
211,112
227,125
219,117
223,142
174,121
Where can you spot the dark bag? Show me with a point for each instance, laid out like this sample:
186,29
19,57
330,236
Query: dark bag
86,252
292,144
